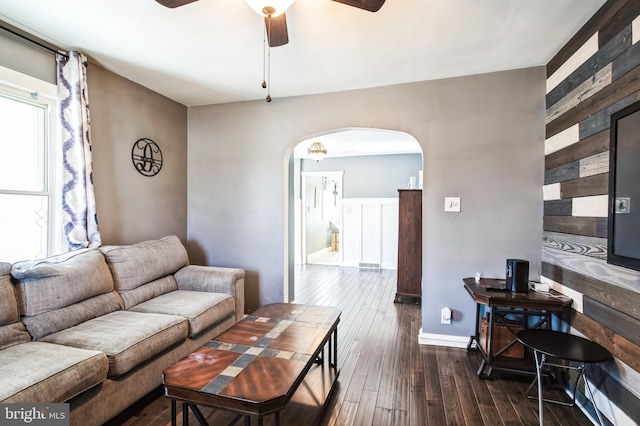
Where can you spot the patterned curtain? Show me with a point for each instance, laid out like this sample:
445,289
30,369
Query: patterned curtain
80,221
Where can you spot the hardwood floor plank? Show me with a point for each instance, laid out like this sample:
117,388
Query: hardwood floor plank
468,401
366,409
383,416
418,401
387,378
452,406
335,405
519,403
556,414
347,414
356,387
400,418
388,370
435,413
502,403
479,386
431,375
402,368
376,356
369,332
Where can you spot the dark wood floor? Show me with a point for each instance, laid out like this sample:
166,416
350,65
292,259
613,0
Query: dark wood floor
386,377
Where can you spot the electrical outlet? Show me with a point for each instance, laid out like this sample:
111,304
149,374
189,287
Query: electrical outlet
622,205
445,316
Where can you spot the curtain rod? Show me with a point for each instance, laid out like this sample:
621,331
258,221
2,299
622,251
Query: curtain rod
19,33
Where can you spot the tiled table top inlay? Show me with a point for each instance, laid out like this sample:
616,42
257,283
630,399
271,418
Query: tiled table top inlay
276,350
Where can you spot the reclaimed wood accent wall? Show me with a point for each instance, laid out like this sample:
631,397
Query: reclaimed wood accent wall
596,74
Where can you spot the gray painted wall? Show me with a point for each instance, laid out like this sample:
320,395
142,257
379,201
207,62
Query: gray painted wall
373,176
481,138
132,207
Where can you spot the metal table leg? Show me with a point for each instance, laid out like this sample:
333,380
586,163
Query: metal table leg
335,350
198,414
174,413
185,414
539,366
593,401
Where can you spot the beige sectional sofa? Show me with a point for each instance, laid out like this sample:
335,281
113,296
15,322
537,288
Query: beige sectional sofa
96,327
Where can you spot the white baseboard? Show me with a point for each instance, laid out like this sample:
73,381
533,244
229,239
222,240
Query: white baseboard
442,340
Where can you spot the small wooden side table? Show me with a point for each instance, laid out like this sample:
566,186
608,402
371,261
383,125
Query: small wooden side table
503,304
567,347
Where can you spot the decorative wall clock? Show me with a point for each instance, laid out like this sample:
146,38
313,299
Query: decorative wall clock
146,157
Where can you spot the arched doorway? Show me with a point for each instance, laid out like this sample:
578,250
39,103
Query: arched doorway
349,198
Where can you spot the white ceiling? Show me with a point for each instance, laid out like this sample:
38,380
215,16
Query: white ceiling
211,51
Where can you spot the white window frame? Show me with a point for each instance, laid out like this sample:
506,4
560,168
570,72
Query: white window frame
43,94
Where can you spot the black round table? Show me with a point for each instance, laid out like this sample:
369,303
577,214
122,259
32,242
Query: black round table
564,346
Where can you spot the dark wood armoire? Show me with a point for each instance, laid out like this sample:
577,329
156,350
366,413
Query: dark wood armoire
409,244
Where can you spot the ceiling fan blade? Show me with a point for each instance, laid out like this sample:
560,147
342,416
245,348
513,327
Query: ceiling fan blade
174,3
370,5
277,30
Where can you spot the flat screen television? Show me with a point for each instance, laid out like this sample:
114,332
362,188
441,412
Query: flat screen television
623,248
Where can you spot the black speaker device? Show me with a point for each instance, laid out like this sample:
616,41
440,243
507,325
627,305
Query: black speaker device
517,275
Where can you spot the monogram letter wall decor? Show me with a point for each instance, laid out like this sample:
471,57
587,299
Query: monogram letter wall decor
146,157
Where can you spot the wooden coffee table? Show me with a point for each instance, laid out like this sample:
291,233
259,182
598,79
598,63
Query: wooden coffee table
255,367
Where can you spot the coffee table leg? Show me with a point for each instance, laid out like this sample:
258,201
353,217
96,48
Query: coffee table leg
247,421
335,349
277,415
185,414
198,414
320,357
174,413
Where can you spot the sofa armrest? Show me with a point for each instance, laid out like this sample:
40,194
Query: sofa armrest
214,280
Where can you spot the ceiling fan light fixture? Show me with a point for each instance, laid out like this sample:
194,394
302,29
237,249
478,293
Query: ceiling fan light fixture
269,7
317,151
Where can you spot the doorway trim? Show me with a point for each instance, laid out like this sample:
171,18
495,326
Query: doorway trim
289,172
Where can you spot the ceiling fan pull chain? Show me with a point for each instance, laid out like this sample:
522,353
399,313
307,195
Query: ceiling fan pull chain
269,59
264,59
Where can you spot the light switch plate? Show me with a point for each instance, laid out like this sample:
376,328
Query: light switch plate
452,204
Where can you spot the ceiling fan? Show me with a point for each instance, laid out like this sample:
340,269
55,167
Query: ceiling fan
274,14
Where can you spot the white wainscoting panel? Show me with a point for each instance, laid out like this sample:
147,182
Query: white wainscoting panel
389,236
370,232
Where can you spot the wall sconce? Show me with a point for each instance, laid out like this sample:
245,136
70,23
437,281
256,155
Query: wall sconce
317,151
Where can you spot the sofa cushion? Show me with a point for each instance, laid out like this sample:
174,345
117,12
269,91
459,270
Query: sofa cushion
65,290
44,324
201,309
60,281
127,338
138,264
42,372
12,331
148,291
